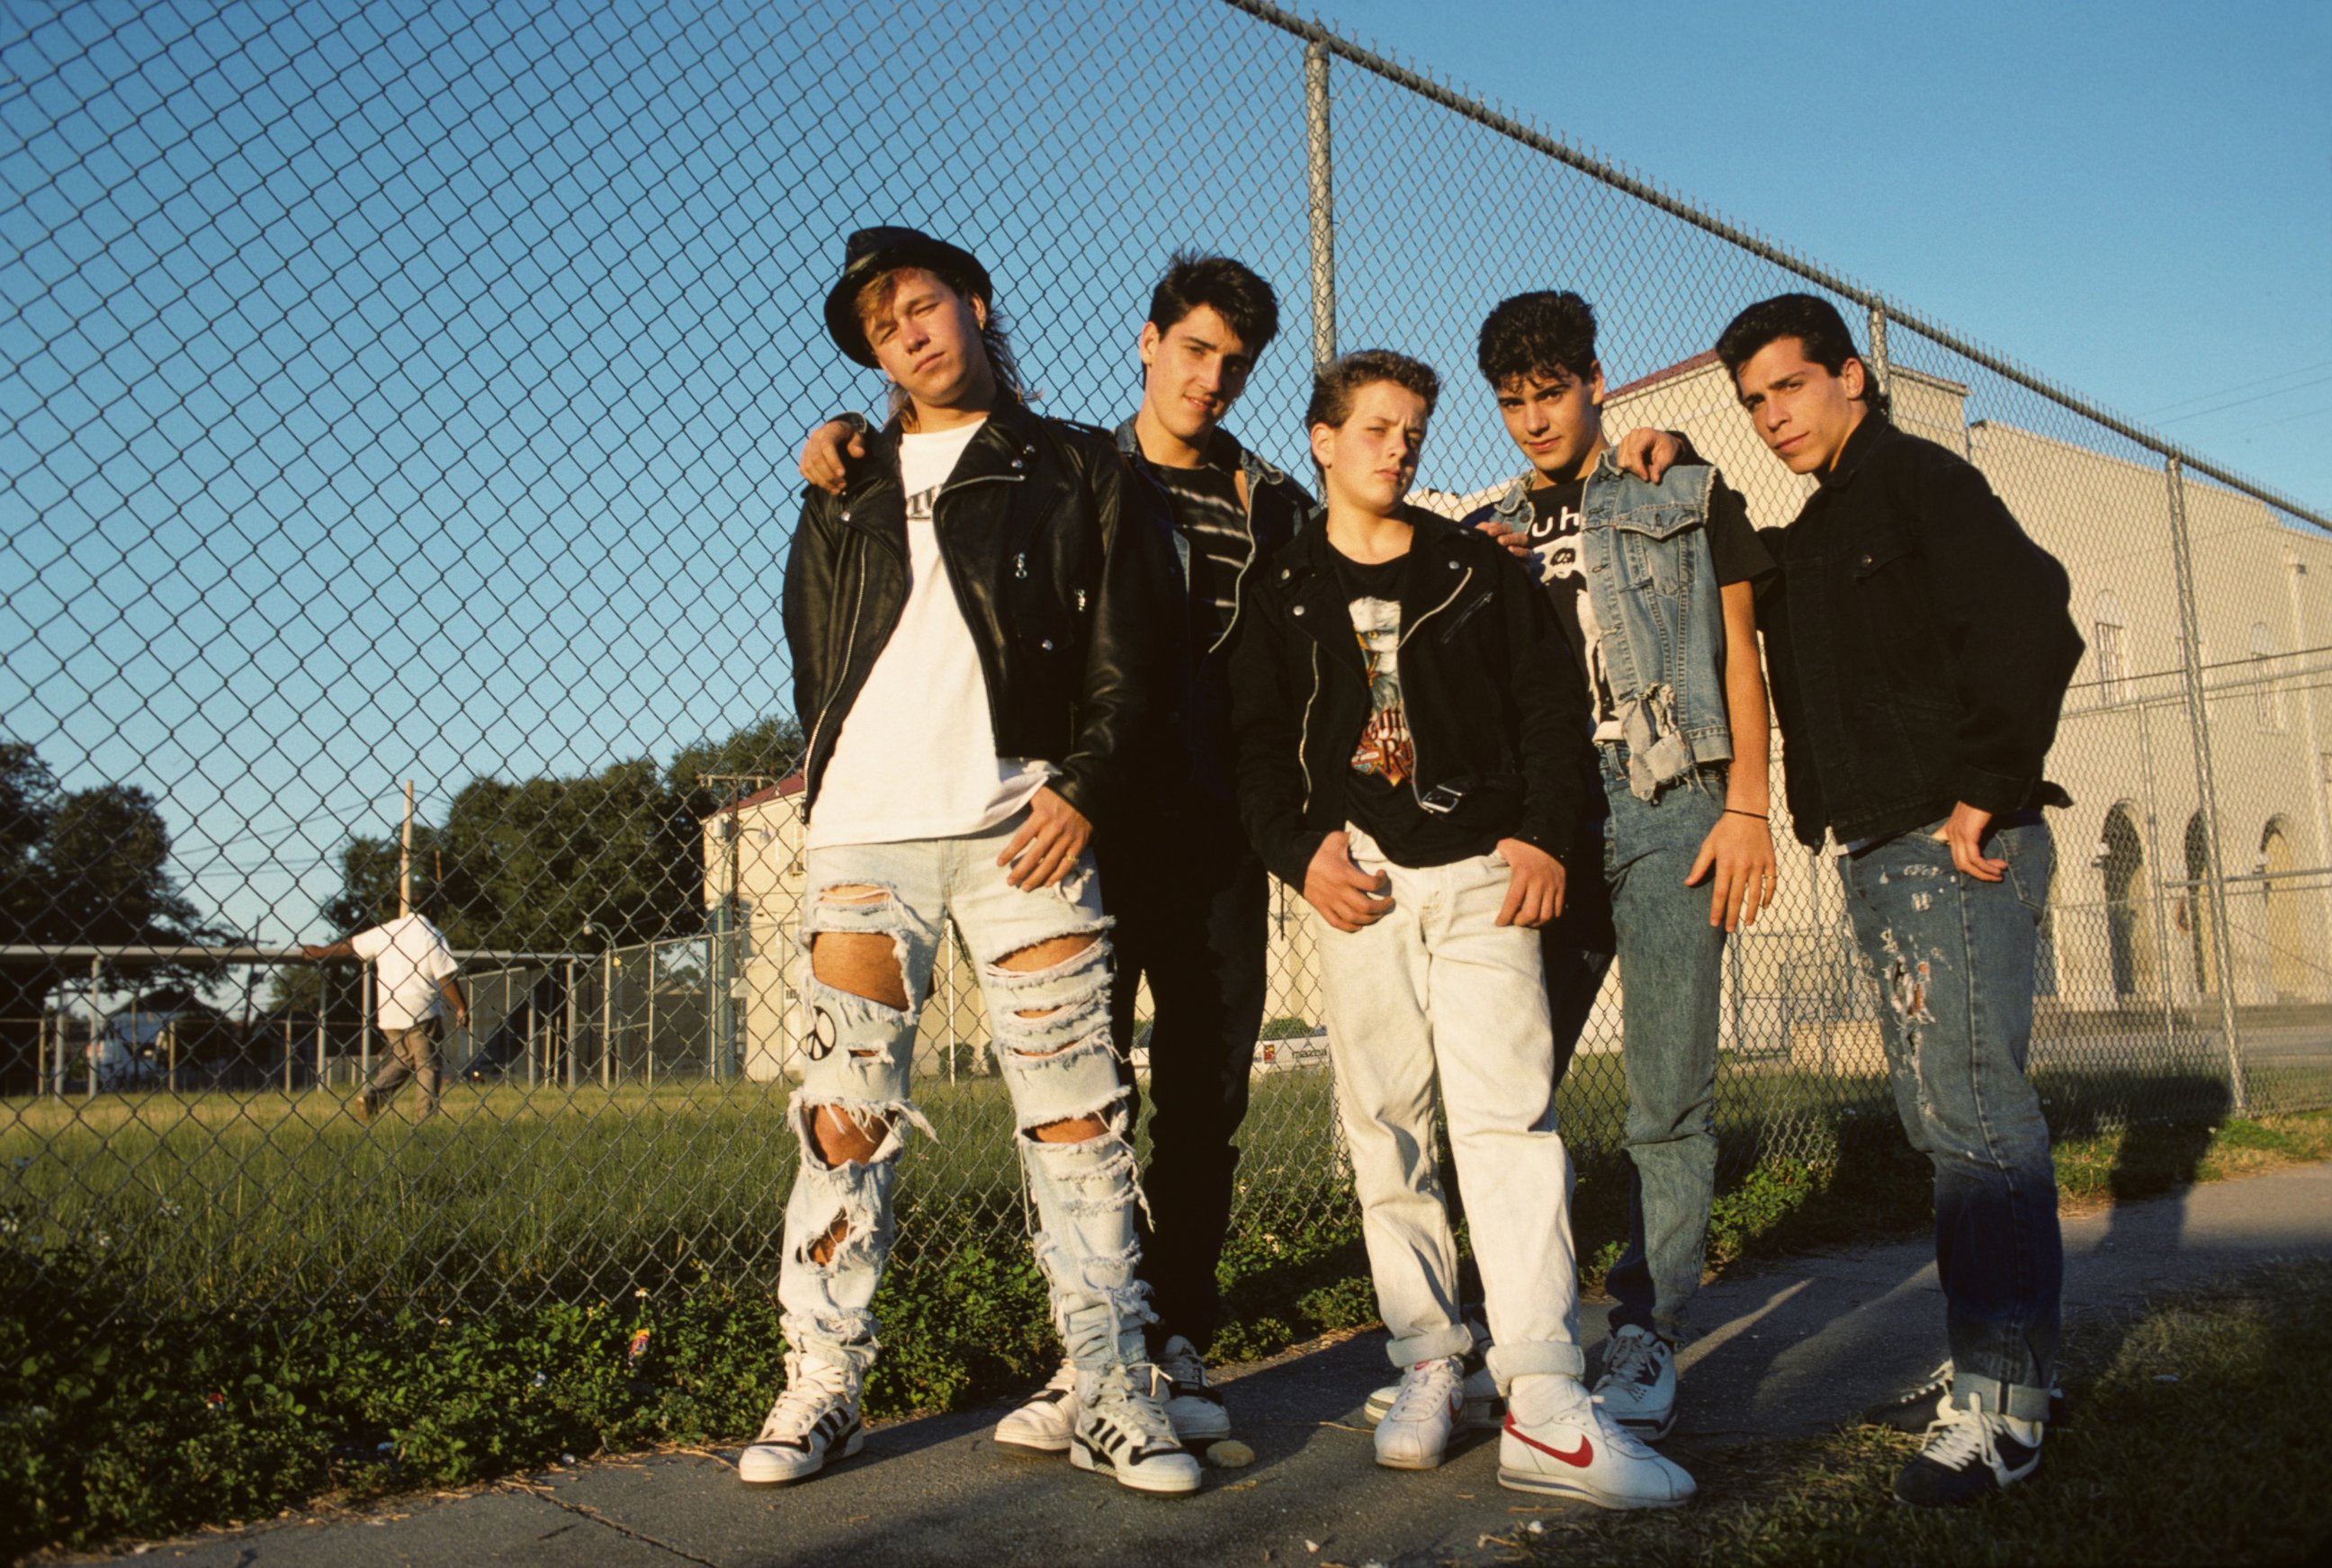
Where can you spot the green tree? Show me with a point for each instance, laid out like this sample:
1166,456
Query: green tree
81,866
527,865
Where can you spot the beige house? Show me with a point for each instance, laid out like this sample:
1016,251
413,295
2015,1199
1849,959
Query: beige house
2129,920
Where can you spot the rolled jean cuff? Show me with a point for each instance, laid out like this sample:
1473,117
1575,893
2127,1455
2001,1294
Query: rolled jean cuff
1452,1339
2021,1400
1536,1358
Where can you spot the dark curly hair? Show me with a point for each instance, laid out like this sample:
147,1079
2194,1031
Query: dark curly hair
1531,336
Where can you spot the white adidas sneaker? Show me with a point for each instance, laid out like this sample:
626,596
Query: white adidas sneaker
815,1419
1043,1423
1122,1431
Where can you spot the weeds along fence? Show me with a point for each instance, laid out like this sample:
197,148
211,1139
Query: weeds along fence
411,392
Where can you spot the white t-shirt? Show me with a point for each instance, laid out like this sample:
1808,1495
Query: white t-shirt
408,958
917,758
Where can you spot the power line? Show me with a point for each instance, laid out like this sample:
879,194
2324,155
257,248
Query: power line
2254,397
2238,387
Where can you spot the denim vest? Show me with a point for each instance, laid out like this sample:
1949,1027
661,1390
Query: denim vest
1653,582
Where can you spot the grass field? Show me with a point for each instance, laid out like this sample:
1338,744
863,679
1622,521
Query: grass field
215,1306
265,1201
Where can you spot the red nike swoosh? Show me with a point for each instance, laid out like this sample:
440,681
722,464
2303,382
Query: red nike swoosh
1581,1458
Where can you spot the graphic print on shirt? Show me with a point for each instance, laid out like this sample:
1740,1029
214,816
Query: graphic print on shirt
1554,539
1384,751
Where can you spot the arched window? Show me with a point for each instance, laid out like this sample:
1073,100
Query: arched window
2267,700
2110,643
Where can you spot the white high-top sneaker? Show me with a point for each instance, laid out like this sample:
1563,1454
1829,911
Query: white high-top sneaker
1559,1440
1043,1423
1415,1432
1122,1430
816,1418
1191,1402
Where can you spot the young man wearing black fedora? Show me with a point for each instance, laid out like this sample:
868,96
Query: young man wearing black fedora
975,624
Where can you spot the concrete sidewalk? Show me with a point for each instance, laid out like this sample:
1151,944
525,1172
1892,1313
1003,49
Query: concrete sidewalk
1787,1351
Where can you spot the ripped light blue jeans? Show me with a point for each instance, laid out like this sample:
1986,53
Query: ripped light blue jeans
1051,1028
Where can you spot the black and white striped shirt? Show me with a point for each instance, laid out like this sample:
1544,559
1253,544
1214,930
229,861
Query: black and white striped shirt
1212,522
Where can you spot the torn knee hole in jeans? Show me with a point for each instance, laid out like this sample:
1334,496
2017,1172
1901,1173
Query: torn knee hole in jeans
1048,1011
864,918
1094,1174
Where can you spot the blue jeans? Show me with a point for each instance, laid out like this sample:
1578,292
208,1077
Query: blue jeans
1051,1028
1953,959
1671,960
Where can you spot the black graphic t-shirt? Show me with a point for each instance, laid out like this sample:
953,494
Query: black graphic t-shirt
1556,523
1381,790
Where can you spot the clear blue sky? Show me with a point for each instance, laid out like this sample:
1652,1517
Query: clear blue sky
393,389
2133,198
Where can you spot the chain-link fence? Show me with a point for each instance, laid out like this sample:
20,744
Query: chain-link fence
410,391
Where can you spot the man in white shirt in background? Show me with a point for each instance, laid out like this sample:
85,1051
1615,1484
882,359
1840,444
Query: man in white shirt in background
414,972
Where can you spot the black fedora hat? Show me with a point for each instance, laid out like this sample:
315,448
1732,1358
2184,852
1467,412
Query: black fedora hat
869,253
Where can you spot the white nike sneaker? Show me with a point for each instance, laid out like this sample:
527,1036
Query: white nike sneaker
1122,1430
815,1419
1415,1432
1639,1385
1043,1423
1559,1441
1192,1404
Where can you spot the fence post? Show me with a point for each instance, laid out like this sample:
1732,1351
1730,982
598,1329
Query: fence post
364,1034
651,1038
2205,780
574,1020
1877,366
1319,163
96,1030
323,1007
607,1019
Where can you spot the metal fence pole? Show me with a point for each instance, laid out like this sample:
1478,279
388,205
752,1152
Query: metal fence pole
1877,366
2206,779
290,1050
2162,968
364,1034
573,1022
651,1035
1319,164
96,1030
607,1020
323,995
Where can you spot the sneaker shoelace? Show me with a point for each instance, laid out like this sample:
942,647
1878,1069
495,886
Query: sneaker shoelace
811,1387
1426,1389
1631,1358
1962,1438
1130,1401
1183,1366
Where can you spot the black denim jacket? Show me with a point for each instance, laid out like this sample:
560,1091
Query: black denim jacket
1919,643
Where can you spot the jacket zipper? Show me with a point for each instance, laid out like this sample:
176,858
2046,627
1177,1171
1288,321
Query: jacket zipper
948,570
849,638
1304,736
1416,754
